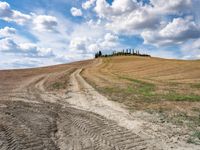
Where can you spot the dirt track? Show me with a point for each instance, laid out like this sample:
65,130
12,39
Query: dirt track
36,114
34,118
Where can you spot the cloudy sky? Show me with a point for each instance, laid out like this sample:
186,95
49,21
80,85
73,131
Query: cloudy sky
45,32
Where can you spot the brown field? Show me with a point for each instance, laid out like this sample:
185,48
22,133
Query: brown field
170,88
108,103
155,79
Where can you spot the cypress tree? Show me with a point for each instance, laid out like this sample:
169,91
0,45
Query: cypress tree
100,53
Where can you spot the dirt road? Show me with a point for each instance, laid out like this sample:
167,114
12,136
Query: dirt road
154,135
56,108
34,118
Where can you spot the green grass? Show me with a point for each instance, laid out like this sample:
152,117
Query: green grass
147,91
173,96
58,85
111,89
195,138
142,88
197,134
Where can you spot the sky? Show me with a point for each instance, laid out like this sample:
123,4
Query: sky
35,33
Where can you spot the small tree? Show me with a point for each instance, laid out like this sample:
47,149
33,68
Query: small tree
96,55
100,53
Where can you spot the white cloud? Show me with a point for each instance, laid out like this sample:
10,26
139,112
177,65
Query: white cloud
130,17
19,17
88,4
45,23
7,14
34,50
110,37
40,22
181,29
126,17
78,44
171,6
76,12
133,23
108,42
86,34
8,45
5,10
7,32
91,44
191,49
117,8
176,32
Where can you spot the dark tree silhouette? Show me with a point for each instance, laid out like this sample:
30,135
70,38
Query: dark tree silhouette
127,52
100,53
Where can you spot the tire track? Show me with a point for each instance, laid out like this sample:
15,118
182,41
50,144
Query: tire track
117,134
33,118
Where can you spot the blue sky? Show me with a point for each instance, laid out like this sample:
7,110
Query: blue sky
47,32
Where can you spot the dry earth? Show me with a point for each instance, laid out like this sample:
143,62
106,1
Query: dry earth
164,94
56,108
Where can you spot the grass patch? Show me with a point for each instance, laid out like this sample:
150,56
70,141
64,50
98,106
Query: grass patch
195,138
182,118
173,96
139,87
58,85
147,91
111,89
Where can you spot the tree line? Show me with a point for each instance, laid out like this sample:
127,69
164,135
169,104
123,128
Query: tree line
127,52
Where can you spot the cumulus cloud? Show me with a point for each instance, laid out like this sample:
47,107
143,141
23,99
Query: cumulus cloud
87,45
88,4
108,42
8,45
5,10
191,49
176,32
7,14
110,37
41,22
130,17
45,23
171,6
76,12
34,50
7,32
117,8
78,44
132,23
127,16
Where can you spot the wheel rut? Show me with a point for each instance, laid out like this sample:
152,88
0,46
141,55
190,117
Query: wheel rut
34,119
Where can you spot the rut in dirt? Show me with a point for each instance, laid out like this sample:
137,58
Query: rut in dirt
29,120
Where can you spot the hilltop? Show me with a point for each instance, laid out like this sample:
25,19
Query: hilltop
126,102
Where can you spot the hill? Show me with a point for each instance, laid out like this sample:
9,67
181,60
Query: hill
151,78
170,88
120,102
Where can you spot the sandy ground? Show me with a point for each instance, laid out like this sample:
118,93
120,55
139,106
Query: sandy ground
35,118
79,118
163,136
